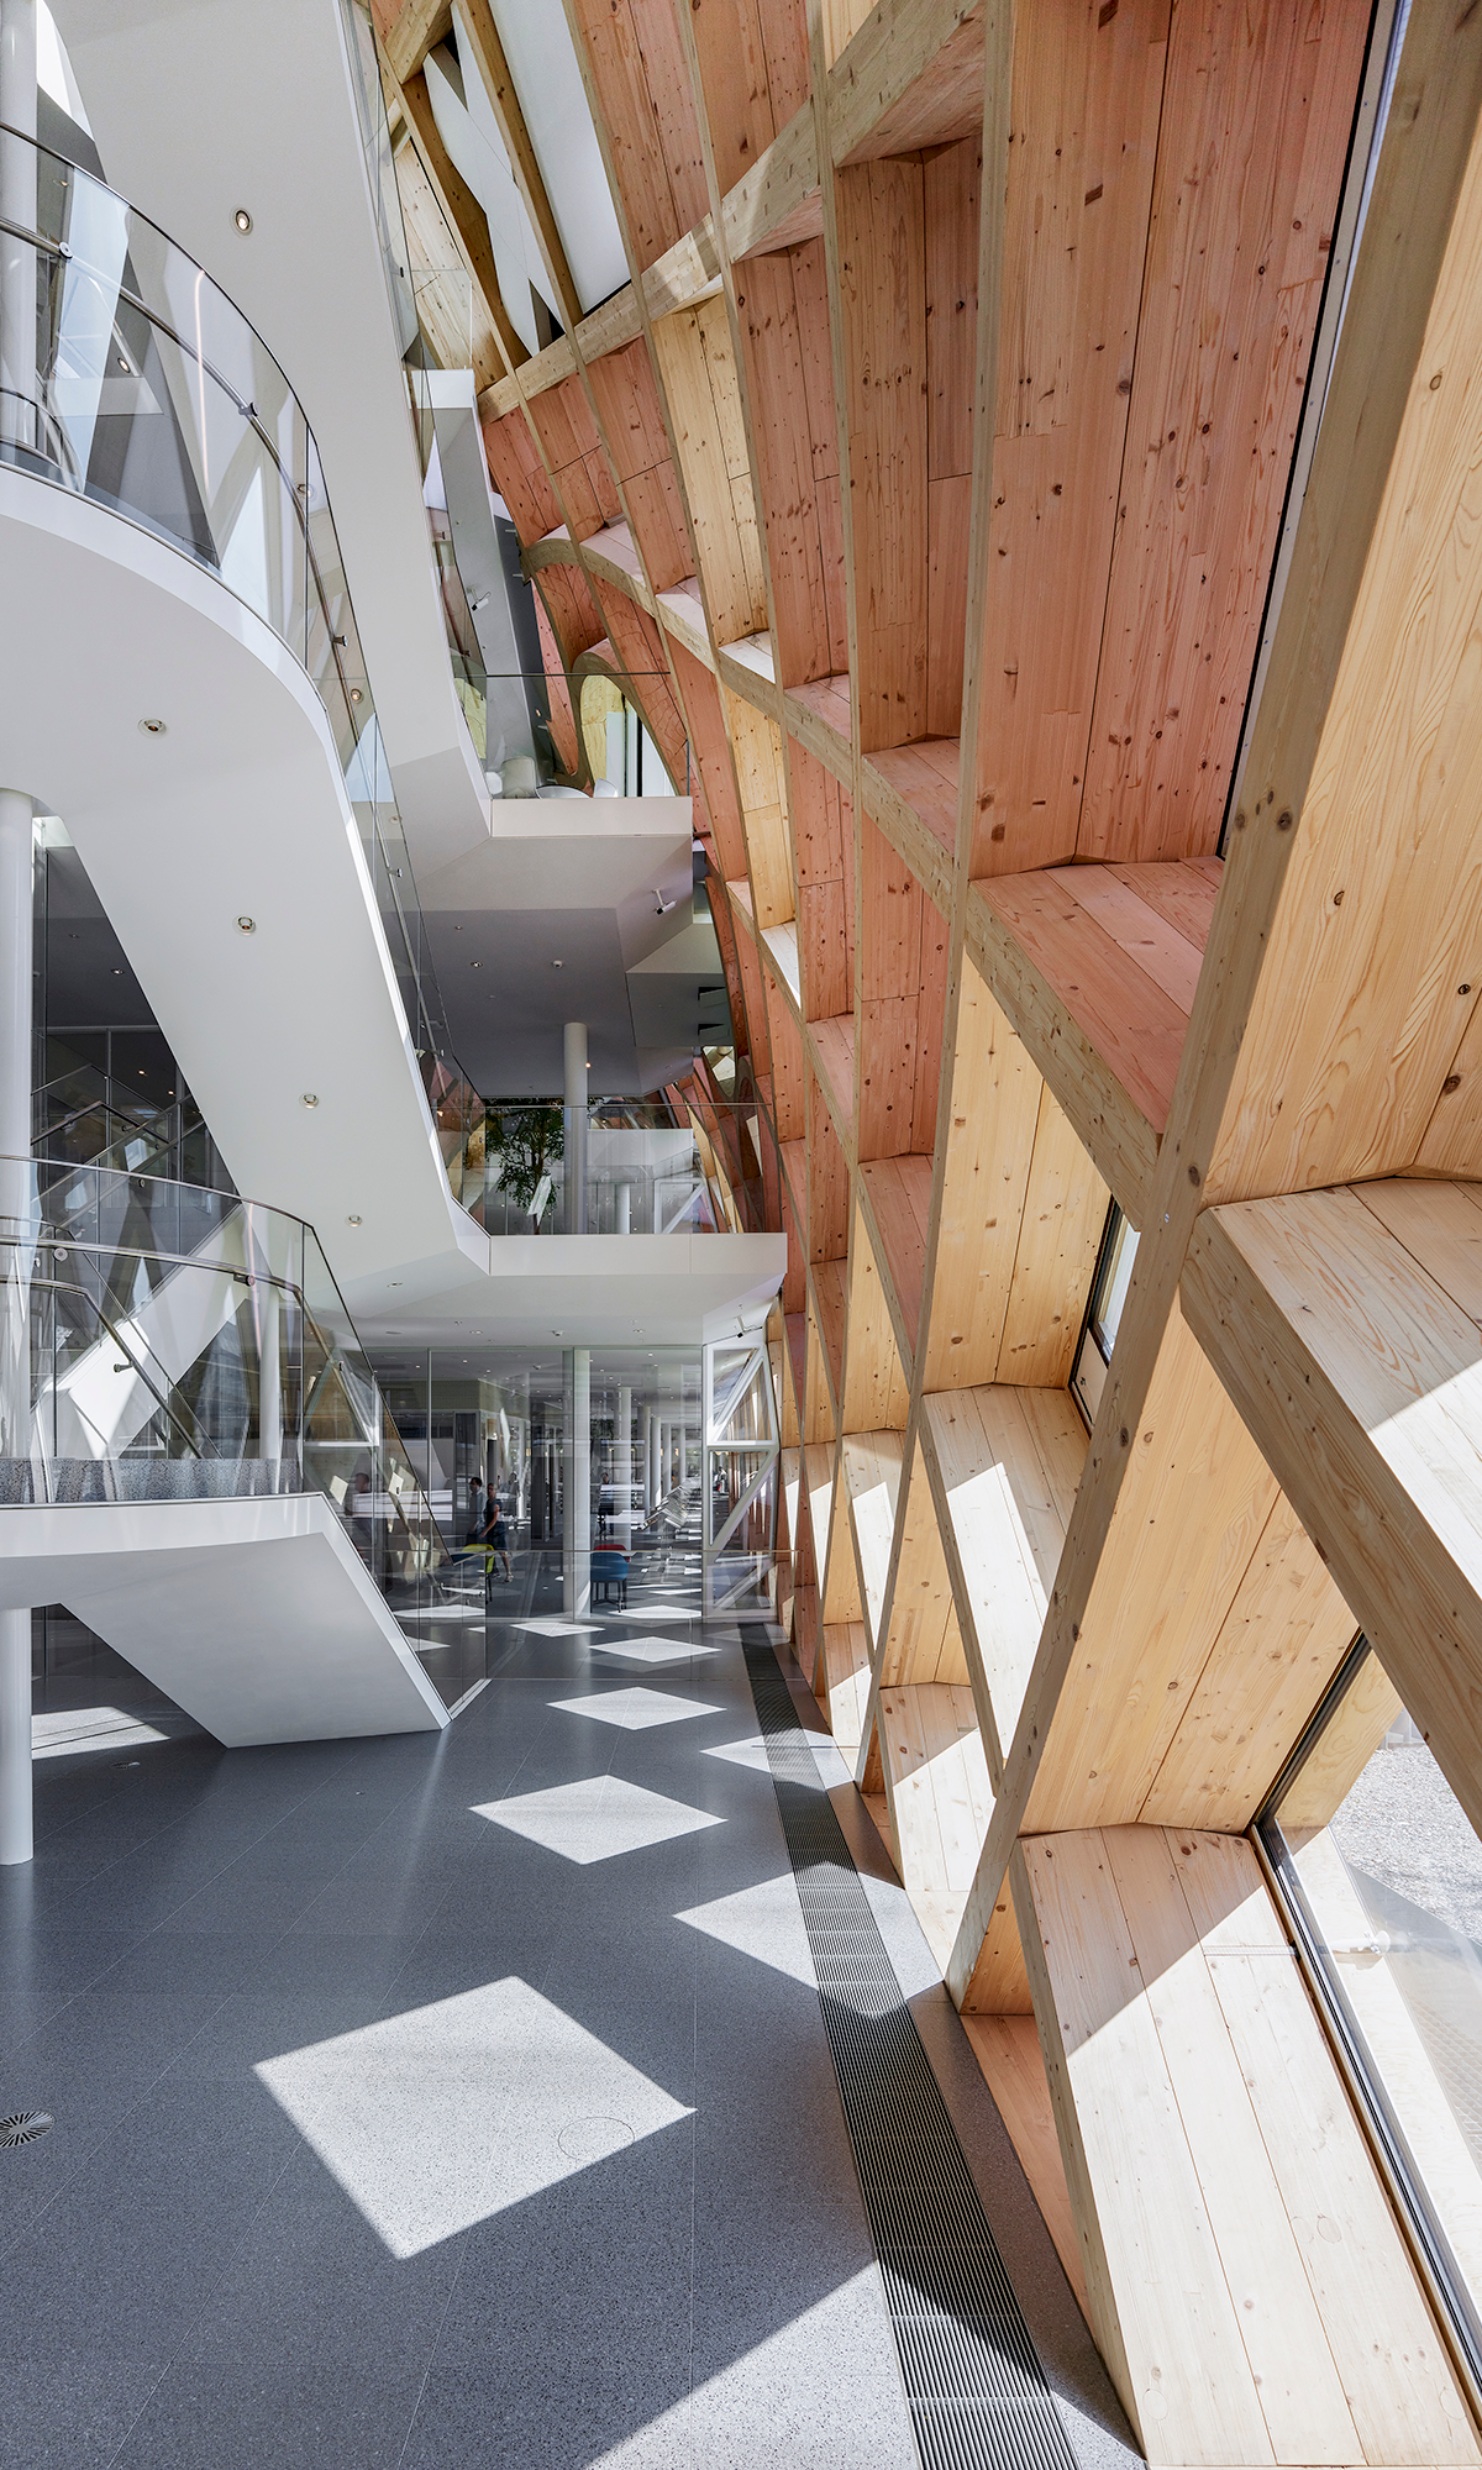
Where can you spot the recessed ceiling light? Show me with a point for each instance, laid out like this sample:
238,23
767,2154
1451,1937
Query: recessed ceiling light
124,365
355,695
153,728
247,926
558,964
309,1098
242,219
352,1222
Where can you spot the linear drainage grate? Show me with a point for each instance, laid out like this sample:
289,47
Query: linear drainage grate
977,2393
23,2127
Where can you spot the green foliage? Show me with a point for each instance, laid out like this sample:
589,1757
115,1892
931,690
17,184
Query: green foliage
528,1138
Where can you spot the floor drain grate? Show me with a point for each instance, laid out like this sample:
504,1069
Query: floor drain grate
977,2392
24,2126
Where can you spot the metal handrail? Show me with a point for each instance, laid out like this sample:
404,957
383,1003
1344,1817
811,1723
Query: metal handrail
62,1286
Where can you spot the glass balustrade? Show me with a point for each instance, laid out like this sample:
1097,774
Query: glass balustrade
160,1341
654,1167
128,377
84,1117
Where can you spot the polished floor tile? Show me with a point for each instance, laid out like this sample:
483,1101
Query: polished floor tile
455,2103
596,1818
635,1710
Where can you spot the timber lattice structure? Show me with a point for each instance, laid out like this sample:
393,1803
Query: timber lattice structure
1033,470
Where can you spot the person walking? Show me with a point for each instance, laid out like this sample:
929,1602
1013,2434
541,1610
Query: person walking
496,1539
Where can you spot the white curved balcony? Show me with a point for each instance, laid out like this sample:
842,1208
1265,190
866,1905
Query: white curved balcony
171,559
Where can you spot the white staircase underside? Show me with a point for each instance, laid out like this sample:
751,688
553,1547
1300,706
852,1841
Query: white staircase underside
256,1617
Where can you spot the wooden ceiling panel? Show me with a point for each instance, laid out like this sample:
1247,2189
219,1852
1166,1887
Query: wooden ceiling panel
782,309
1255,129
823,850
903,972
581,476
520,476
645,112
1087,93
697,363
753,63
632,417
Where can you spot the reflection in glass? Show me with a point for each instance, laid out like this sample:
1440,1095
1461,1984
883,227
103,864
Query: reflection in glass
164,1342
1109,1287
654,1166
138,384
1382,1870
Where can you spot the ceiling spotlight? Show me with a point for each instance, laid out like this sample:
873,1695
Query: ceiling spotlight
153,728
242,219
247,926
393,1282
558,964
352,1222
309,1098
355,695
123,364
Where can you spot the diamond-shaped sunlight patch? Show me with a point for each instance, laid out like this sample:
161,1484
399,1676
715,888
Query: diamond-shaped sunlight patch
437,2119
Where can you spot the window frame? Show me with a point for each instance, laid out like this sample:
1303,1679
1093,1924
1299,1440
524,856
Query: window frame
1457,2312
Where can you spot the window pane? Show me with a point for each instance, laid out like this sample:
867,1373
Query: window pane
1389,1869
1112,1283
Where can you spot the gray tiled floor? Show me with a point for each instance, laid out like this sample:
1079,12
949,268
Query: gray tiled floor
388,2135
396,2135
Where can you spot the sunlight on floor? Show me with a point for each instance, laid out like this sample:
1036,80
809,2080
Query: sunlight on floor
764,1921
636,1710
439,2118
88,1728
595,1818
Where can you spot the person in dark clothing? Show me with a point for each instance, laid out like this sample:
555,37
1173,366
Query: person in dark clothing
496,1541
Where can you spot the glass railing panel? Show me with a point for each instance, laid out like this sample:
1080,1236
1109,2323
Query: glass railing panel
649,1171
163,1343
144,388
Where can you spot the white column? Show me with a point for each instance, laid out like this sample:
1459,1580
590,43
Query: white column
269,1377
18,424
624,1201
15,1262
624,1469
576,1520
575,1056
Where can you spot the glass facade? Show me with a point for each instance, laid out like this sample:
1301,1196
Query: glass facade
1381,1872
676,1450
1104,1312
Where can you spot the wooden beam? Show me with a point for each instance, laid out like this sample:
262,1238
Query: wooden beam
465,217
408,35
479,35
912,77
1351,1348
776,203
